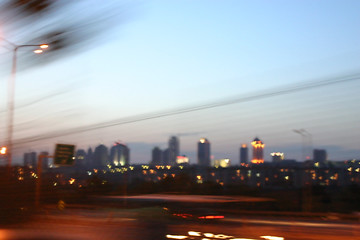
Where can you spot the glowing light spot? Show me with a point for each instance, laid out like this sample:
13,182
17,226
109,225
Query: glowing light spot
193,233
3,150
176,236
38,51
272,238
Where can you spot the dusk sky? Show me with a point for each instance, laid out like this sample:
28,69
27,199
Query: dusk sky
160,56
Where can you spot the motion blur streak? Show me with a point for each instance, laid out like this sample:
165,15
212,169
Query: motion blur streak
198,107
193,233
272,238
176,236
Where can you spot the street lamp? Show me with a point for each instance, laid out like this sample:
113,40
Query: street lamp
300,131
305,134
11,93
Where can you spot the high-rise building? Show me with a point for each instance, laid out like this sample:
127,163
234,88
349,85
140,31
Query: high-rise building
157,156
258,151
89,157
100,157
119,154
182,160
80,158
165,157
277,156
45,160
30,159
174,150
204,152
244,154
320,155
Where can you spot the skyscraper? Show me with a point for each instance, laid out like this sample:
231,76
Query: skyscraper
44,160
320,155
277,157
174,150
80,158
100,157
258,151
119,154
30,159
89,158
204,152
165,157
244,154
157,156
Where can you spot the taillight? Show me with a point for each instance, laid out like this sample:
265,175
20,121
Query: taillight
211,217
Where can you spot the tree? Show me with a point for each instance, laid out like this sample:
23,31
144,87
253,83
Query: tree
67,26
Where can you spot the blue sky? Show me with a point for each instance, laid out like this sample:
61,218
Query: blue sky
169,54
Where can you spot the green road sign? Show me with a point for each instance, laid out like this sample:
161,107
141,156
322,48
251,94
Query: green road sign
64,154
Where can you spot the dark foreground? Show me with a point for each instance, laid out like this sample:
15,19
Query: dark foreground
153,223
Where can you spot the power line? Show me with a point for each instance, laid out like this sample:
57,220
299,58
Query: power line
229,101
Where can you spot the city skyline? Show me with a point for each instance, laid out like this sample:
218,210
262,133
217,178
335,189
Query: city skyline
118,154
228,71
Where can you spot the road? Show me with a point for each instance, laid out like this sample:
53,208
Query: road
151,223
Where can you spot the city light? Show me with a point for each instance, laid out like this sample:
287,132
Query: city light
193,233
3,150
176,236
38,51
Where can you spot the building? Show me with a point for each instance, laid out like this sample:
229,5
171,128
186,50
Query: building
165,157
174,150
30,160
89,157
45,160
119,155
157,156
80,158
320,155
258,151
181,160
204,153
277,157
244,155
100,157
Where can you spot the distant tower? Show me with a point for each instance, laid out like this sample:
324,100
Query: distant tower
320,155
119,155
45,160
165,157
157,156
277,157
30,159
89,158
100,157
204,152
244,154
258,151
80,158
173,150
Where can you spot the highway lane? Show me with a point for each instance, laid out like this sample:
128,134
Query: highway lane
149,223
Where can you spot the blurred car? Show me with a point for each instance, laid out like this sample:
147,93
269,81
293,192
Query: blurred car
194,213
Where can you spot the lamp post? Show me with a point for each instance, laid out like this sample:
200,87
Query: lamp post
310,141
300,131
305,134
11,94
305,198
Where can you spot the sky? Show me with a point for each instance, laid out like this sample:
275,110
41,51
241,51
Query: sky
159,56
